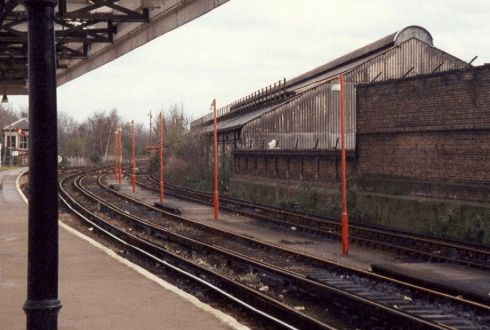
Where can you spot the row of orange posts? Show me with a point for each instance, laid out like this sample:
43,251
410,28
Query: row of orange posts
118,155
118,160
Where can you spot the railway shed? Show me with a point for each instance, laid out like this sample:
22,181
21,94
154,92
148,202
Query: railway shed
303,113
417,122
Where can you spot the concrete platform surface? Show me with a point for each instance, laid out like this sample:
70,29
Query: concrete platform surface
97,291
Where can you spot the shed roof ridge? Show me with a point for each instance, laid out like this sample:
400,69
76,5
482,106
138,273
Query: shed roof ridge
377,46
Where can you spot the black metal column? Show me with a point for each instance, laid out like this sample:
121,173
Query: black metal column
42,303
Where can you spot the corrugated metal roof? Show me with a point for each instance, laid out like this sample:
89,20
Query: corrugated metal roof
312,120
239,121
352,59
347,63
358,55
329,75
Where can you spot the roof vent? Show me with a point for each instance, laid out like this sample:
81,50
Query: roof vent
413,31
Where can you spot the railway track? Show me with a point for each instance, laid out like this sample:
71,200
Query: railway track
303,291
414,245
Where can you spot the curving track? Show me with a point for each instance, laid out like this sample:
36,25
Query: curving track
414,245
292,289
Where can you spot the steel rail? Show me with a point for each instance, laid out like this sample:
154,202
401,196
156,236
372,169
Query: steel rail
361,233
305,256
175,262
305,283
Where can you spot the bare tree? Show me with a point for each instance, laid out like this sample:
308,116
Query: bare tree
7,116
187,155
176,129
101,128
67,131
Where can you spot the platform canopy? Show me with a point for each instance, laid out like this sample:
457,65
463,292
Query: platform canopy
89,33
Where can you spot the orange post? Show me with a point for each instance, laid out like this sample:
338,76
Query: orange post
119,156
149,143
344,216
216,194
162,176
116,168
133,176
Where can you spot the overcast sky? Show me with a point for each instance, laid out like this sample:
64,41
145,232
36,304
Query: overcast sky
245,45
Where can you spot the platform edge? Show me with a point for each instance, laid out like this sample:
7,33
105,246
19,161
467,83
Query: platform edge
226,319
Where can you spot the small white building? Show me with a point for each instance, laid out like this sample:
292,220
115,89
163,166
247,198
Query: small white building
16,142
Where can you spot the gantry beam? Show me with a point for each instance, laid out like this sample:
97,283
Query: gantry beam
174,14
89,33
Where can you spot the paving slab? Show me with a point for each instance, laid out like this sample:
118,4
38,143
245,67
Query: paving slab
13,253
98,289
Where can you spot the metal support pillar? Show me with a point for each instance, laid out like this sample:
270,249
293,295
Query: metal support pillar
42,303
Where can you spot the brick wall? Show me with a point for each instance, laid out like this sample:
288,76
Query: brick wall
434,127
444,101
426,137
430,128
293,165
458,156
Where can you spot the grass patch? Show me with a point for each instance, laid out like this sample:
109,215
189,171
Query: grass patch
6,168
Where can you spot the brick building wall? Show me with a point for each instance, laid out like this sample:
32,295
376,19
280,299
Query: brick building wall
455,156
422,159
434,127
292,165
429,128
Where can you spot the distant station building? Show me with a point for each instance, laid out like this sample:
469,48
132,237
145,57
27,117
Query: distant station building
417,123
16,143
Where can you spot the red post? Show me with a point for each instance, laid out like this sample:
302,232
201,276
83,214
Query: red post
116,168
119,156
162,176
344,216
216,194
133,176
150,129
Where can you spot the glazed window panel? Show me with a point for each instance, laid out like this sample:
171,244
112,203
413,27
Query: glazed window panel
23,142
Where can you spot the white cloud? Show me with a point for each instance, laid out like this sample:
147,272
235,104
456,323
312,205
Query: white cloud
245,45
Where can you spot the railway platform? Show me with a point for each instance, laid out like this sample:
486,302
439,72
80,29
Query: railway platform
98,289
454,279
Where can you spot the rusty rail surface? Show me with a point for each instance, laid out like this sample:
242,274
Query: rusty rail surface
310,276
418,246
